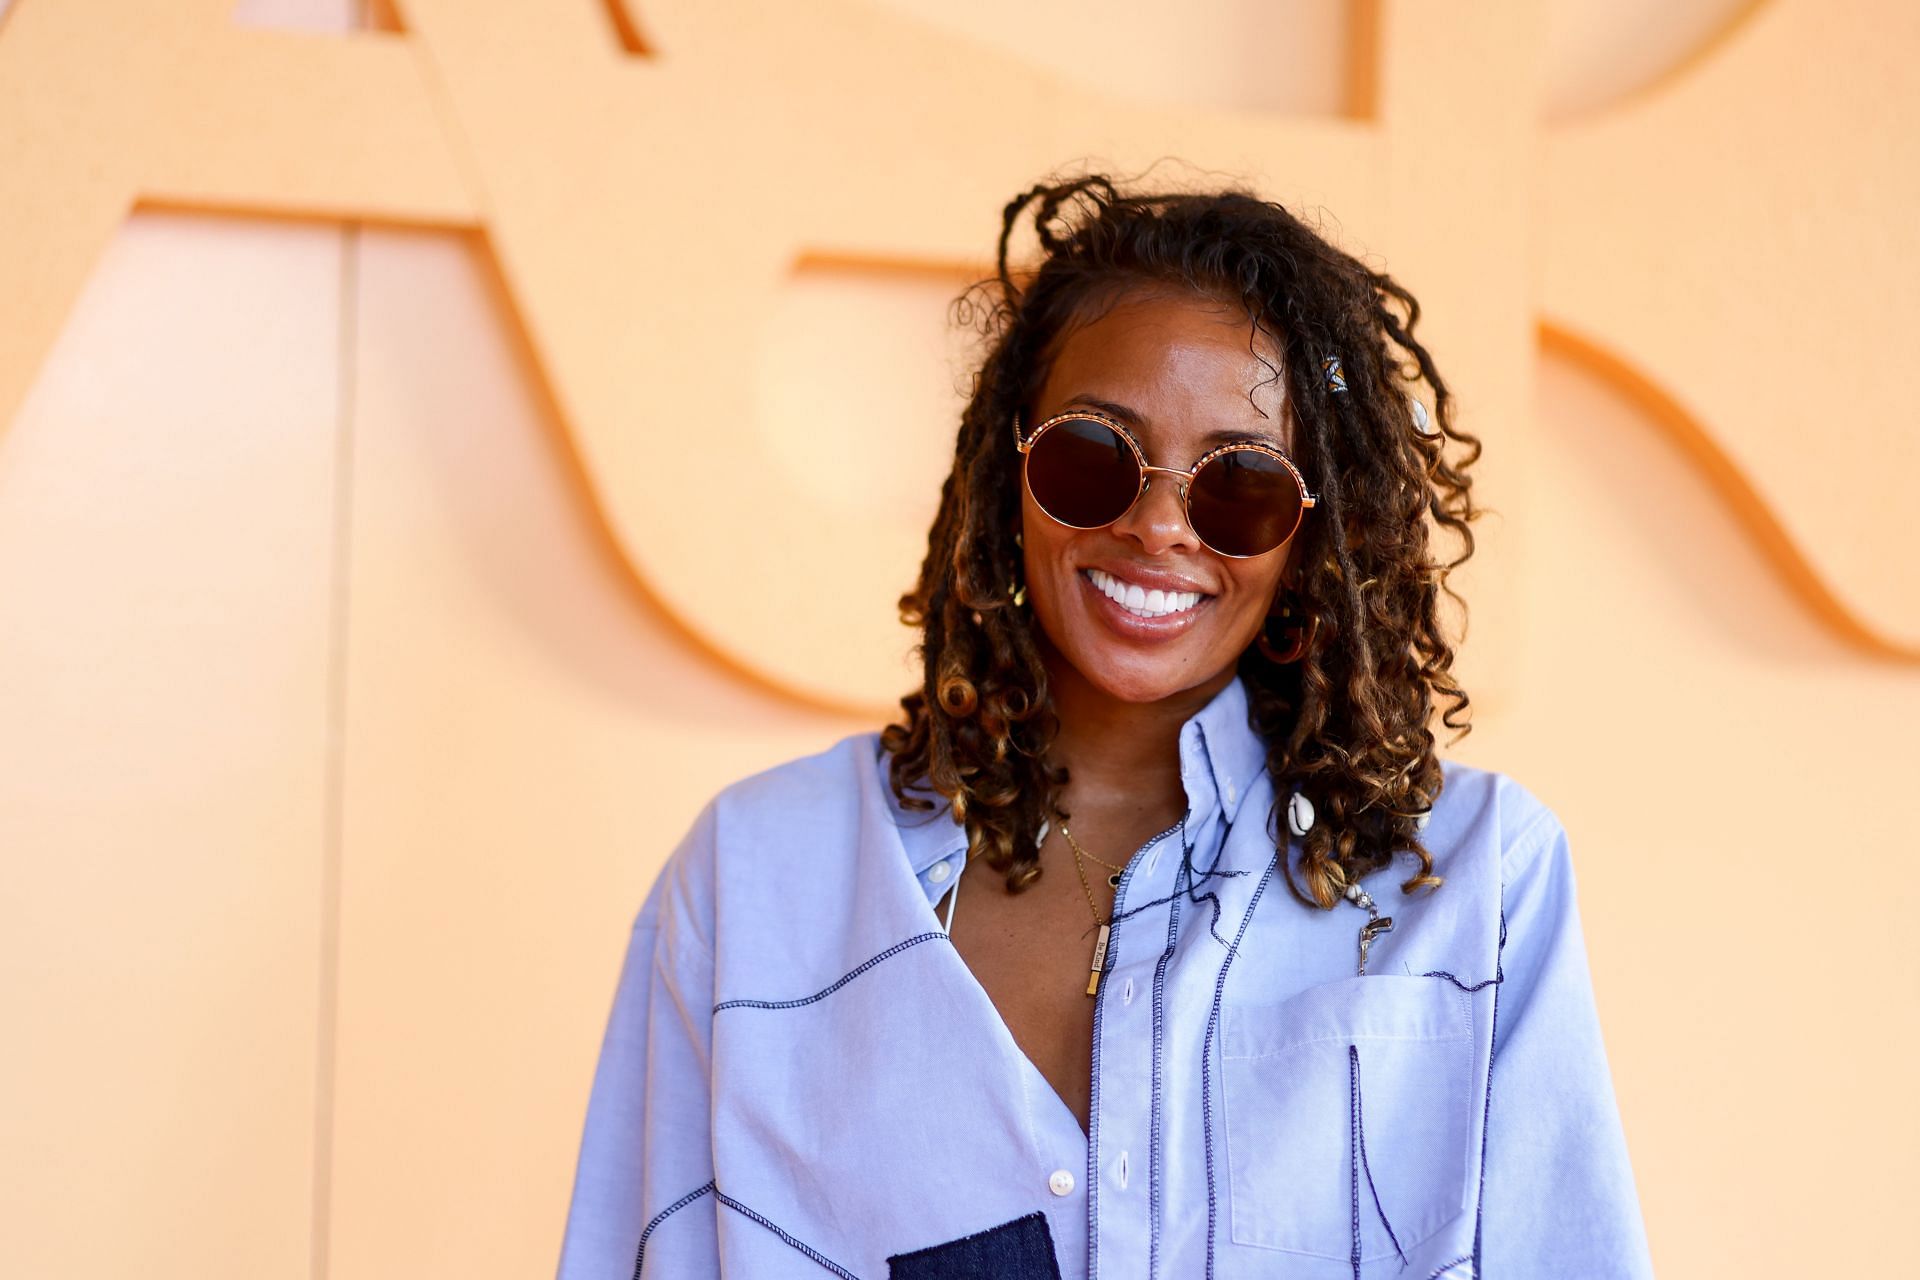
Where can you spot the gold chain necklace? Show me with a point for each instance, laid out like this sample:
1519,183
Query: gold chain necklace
1113,881
1100,942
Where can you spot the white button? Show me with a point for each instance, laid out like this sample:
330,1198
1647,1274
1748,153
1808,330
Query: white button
939,872
1232,795
1061,1182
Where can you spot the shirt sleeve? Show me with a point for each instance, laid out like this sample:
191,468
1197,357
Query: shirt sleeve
645,1170
1558,1195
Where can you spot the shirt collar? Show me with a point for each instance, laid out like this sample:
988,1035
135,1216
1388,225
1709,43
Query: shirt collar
1220,758
929,835
1220,746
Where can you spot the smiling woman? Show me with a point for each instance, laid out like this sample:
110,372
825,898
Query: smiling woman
1178,369
1179,621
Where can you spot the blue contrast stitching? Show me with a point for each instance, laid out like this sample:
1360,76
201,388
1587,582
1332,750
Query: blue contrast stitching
822,994
1220,854
1442,973
812,1253
1093,1094
1198,875
640,1255
1486,1111
1159,1025
1206,1051
1093,1104
1359,1124
1353,1154
1448,1266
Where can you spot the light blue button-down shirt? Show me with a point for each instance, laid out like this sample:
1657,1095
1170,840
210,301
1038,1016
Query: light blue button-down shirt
801,1077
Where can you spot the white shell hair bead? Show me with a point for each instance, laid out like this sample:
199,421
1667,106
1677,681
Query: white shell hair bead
1299,814
1354,891
1421,421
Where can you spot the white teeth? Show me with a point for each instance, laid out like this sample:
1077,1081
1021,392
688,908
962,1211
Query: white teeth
1140,601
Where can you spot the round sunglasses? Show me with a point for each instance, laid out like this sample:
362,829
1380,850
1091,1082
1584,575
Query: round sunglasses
1085,471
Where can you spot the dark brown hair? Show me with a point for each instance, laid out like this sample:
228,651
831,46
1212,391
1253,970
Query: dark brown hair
1348,723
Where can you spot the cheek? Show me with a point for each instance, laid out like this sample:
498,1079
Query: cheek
1255,587
1046,556
1045,543
1249,615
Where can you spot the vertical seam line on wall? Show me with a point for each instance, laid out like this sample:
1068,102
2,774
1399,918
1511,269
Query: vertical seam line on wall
326,1039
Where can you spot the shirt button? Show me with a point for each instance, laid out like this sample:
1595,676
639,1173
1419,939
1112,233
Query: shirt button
939,872
1232,795
1061,1182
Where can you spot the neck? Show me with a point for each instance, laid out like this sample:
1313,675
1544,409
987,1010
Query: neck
1119,750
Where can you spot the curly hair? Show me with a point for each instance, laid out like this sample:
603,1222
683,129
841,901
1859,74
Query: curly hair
1348,723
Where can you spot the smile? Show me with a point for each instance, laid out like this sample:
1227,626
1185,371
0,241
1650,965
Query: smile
1140,602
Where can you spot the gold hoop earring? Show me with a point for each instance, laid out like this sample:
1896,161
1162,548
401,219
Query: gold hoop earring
1298,630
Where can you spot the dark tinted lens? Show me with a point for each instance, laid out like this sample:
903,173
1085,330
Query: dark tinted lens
1082,473
1244,502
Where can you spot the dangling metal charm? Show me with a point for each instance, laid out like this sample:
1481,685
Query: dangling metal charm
1376,924
1099,962
1373,927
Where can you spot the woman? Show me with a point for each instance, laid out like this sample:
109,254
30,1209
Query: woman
1250,982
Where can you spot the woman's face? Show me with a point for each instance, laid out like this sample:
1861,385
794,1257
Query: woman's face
1177,370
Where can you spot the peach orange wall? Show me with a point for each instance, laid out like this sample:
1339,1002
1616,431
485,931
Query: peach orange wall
363,651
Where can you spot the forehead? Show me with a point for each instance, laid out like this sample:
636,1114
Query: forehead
1187,369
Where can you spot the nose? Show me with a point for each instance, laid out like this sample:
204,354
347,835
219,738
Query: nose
1157,520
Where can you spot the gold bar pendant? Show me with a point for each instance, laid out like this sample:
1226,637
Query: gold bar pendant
1099,959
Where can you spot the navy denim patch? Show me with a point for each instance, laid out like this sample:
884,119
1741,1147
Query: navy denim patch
1017,1250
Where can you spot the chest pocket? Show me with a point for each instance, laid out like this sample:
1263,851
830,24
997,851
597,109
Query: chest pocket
1351,1102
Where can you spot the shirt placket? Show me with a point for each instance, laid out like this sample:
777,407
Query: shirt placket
1117,1172
1130,1040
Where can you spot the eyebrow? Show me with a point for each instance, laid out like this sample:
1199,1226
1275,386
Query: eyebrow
1134,419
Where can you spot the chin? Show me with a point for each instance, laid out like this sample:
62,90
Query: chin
1128,678
1142,651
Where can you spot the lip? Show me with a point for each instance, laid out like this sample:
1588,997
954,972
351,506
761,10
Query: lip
1132,573
1132,627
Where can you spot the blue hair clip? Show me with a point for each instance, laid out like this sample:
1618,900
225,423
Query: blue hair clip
1336,379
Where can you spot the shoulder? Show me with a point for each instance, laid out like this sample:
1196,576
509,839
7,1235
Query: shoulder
1488,816
807,788
803,799
1487,837
793,809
